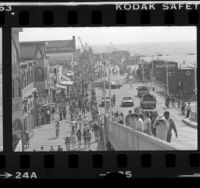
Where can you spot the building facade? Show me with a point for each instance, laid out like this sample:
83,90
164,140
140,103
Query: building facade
17,105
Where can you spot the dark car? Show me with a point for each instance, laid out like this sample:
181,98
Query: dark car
142,90
148,101
127,101
113,85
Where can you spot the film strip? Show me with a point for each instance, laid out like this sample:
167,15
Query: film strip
103,163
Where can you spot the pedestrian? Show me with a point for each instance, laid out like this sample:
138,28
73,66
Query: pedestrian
188,110
153,121
167,100
114,99
53,110
162,127
41,148
51,148
64,112
183,108
85,136
132,121
60,113
127,122
67,143
43,116
48,115
26,134
96,131
57,129
79,135
59,148
147,122
88,137
172,126
139,124
72,125
121,118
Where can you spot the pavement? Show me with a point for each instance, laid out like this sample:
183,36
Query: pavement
45,136
187,136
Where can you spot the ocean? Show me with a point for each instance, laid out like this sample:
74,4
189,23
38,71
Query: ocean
184,52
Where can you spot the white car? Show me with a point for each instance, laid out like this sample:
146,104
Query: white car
127,101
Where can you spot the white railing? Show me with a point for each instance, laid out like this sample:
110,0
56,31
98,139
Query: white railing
124,138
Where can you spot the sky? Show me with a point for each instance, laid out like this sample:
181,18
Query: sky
116,35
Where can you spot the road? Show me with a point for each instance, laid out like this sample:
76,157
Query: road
187,136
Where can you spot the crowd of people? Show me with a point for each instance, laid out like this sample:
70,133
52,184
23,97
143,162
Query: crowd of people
185,109
149,122
82,129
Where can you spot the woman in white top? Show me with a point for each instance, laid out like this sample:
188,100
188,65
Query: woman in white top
147,122
161,128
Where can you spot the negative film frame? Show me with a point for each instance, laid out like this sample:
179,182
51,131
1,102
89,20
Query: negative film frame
142,164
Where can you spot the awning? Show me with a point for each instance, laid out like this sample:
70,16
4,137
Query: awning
29,92
67,83
61,86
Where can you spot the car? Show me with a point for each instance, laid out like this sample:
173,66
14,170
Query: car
142,90
148,101
113,85
103,101
127,101
119,85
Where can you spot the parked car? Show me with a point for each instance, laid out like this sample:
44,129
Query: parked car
148,101
127,101
142,90
119,85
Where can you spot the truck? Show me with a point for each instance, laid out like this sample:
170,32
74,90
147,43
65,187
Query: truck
148,101
142,90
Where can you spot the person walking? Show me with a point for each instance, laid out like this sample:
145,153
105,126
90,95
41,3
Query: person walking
96,131
127,122
88,137
139,124
57,129
188,110
64,112
51,148
147,123
162,127
41,148
121,118
53,110
114,99
67,143
26,139
79,136
183,108
59,148
48,115
60,113
172,126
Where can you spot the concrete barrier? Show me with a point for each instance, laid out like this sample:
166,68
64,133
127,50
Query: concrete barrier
193,115
124,138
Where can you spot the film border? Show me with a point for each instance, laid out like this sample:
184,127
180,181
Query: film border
186,162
